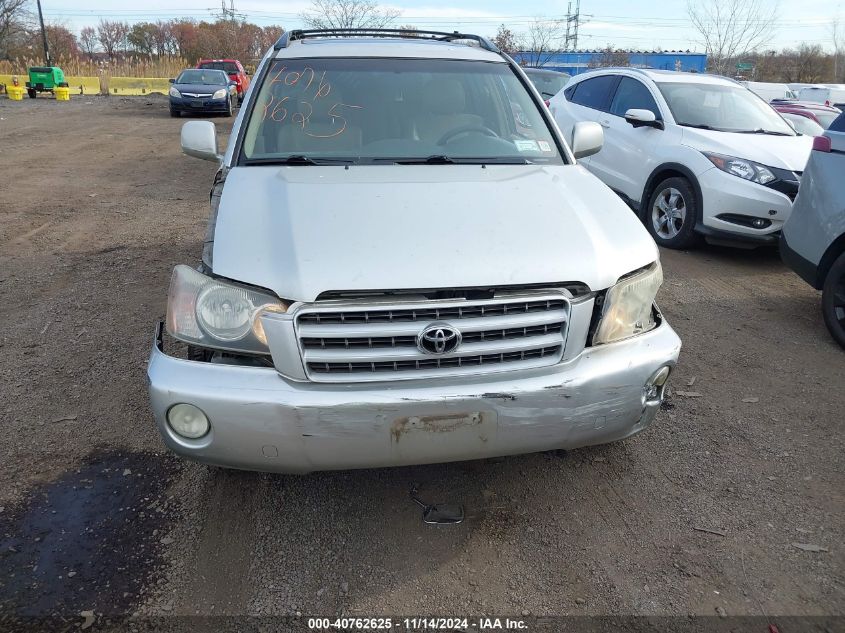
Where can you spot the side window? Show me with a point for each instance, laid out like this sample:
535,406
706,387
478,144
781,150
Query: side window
632,95
839,124
594,93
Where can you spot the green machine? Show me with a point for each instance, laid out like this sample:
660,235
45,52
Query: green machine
44,79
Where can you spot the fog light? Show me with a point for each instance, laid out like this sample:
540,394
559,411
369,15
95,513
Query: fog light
188,421
760,223
655,386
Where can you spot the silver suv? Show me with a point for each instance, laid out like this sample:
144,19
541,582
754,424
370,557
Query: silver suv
405,265
813,240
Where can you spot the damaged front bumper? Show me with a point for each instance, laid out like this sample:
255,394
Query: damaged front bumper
262,421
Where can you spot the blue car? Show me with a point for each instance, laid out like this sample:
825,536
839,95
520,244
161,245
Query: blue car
203,91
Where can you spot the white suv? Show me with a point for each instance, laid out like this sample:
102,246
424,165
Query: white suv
692,154
405,264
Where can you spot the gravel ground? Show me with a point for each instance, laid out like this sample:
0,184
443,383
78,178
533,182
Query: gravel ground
700,515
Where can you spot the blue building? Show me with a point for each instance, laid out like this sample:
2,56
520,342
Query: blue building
574,62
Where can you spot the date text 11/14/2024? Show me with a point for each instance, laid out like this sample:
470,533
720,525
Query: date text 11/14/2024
417,624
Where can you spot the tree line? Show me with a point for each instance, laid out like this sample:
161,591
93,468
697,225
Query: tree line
114,39
730,32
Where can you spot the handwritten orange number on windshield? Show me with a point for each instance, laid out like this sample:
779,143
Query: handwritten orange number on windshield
335,117
277,113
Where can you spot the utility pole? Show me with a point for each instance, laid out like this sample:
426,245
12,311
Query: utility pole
230,15
44,36
572,22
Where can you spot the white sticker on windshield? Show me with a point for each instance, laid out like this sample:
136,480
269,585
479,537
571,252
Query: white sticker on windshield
526,146
712,99
544,146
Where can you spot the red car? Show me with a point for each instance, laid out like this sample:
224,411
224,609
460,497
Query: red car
233,68
818,112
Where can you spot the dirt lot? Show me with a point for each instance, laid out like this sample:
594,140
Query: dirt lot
700,515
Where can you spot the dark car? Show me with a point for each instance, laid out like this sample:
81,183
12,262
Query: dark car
547,82
231,67
204,91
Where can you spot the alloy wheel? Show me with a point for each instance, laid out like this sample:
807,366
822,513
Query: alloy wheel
668,213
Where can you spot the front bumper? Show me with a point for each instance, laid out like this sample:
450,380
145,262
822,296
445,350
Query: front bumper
725,194
186,104
261,421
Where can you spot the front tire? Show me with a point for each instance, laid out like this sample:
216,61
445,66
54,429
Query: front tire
833,300
672,213
229,108
31,92
175,114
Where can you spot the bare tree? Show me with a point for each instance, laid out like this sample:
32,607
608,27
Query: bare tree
14,19
808,64
730,29
610,58
348,14
505,40
541,42
837,34
112,36
88,40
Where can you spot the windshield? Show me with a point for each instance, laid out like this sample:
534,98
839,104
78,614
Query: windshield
229,67
395,111
722,107
208,77
548,84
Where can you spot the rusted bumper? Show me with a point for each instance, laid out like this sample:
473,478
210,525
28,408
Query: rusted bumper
261,421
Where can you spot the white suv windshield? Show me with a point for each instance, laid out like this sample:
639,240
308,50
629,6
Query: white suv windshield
365,110
723,108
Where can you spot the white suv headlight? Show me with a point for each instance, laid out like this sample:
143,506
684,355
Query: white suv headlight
627,309
220,94
746,169
205,311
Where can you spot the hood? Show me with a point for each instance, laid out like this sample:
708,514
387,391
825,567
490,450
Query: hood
303,231
783,152
199,88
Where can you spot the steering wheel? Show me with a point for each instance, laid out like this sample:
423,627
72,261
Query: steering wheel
466,129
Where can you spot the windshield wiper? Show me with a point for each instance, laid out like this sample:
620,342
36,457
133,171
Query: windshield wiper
298,159
702,126
441,159
762,131
434,159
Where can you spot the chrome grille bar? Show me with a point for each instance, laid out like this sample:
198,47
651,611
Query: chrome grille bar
341,342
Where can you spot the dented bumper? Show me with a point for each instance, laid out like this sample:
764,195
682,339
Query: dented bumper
261,421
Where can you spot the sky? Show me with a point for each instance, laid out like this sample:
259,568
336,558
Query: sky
628,24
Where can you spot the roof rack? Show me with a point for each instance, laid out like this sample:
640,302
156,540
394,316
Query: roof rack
439,36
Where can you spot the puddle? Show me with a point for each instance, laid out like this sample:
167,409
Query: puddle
85,541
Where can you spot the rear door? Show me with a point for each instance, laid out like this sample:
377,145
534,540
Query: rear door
588,100
626,168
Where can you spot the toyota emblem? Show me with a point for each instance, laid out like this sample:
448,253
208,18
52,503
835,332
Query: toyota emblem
438,338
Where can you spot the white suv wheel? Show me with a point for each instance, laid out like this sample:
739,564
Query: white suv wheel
668,213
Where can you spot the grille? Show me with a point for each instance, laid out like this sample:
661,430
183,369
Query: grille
343,343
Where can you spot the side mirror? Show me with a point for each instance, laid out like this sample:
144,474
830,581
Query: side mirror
643,118
199,139
173,81
587,138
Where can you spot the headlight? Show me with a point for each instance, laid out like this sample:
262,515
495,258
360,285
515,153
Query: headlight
742,168
627,309
220,94
212,313
175,93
